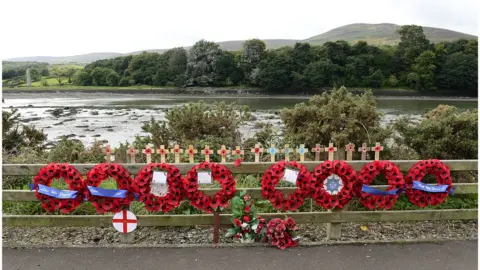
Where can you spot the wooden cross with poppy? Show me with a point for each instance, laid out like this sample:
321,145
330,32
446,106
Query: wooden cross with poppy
317,150
176,150
331,150
223,152
131,152
162,152
191,153
238,152
257,150
273,152
207,153
364,149
350,148
377,148
148,152
108,152
302,150
287,152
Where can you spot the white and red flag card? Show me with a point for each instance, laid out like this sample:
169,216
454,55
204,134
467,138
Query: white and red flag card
125,221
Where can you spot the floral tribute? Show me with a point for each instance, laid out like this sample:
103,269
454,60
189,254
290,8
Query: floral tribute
143,186
395,182
72,177
248,227
101,172
280,233
272,177
321,192
200,200
423,198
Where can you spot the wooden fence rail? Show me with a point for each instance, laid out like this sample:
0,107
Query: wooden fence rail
333,218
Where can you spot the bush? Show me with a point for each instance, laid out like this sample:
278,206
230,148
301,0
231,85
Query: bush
15,136
445,133
338,117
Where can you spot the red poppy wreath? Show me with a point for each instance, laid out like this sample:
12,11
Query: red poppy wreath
101,172
174,180
219,173
418,193
72,177
271,178
333,184
372,198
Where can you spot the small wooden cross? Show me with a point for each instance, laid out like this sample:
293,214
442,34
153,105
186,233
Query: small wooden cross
350,148
191,153
108,152
302,150
148,152
176,150
331,150
364,149
257,150
377,148
163,152
287,152
317,150
238,152
131,152
223,152
207,153
273,151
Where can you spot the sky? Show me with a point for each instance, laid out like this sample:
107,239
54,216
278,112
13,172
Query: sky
64,28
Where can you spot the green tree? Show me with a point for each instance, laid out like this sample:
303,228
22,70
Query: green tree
252,54
460,71
82,77
276,69
424,71
202,59
412,43
339,117
16,137
321,73
445,133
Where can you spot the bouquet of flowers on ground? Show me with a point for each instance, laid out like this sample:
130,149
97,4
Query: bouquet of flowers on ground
280,233
248,227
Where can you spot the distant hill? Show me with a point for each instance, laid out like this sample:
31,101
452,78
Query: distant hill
382,34
376,34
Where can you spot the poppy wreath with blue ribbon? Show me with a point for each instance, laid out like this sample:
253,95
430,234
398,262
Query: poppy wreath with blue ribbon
270,180
345,192
421,197
72,177
101,172
372,198
143,186
199,199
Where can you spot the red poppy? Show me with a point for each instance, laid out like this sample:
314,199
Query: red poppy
246,218
238,162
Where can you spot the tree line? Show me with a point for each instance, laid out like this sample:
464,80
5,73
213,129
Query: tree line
415,63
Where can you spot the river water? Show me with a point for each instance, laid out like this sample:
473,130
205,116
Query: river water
118,117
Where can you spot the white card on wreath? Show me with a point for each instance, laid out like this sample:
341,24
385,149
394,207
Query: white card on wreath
204,177
290,176
159,177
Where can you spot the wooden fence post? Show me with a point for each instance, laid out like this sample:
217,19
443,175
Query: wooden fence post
334,229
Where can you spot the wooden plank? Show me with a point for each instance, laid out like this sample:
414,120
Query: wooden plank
207,219
246,167
256,193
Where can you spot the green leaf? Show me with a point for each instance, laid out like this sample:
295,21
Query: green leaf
243,193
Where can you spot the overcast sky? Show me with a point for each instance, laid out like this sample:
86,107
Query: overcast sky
63,28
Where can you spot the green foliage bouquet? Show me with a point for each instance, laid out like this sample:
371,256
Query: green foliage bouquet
248,227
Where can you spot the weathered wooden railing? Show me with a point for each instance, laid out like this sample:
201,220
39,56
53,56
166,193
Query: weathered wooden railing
334,218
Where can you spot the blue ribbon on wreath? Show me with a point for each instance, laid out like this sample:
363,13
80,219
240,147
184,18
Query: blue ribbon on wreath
56,193
374,191
111,193
432,188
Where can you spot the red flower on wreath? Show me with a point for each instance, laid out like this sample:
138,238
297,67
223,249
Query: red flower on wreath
272,177
365,177
143,183
101,172
280,233
198,199
416,173
322,172
72,177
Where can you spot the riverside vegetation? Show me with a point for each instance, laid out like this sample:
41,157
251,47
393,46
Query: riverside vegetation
339,117
414,63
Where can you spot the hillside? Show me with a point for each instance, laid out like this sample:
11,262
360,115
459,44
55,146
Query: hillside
376,34
381,34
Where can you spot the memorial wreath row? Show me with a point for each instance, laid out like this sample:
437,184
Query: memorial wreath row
332,184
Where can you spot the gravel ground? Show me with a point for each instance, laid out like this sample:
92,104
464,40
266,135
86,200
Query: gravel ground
397,231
